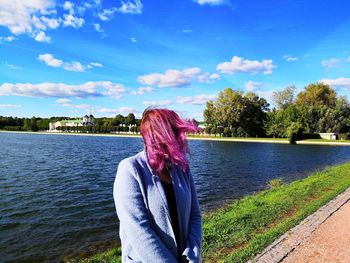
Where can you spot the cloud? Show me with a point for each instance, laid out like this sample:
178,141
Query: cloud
251,86
71,20
131,7
177,78
107,14
47,89
266,94
74,66
18,15
213,2
127,7
157,103
6,39
290,58
94,64
208,78
241,65
42,37
348,59
50,60
97,27
69,6
133,40
52,23
10,106
68,103
186,31
338,83
121,110
196,100
69,66
11,66
142,90
331,63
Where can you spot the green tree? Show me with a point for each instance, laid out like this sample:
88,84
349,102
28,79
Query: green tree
317,94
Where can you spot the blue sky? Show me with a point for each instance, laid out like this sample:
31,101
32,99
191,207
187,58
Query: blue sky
67,58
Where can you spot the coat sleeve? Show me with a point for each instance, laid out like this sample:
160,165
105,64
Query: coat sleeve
132,213
194,239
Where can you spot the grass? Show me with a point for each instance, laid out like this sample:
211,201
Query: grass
236,138
243,228
324,140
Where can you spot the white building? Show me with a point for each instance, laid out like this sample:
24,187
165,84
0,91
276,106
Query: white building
87,120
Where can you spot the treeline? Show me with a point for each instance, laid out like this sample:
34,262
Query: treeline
316,109
119,123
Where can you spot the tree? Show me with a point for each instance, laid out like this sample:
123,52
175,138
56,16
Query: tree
284,98
119,119
317,94
130,119
235,109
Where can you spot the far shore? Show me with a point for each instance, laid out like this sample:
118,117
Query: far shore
196,137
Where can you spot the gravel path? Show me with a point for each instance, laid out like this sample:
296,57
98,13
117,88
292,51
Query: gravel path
330,242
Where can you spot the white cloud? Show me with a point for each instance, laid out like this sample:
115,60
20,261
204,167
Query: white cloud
17,15
6,39
331,63
42,37
73,21
52,23
47,89
290,58
196,100
131,7
69,66
238,64
97,27
133,40
74,66
251,85
68,103
177,78
94,64
142,90
11,66
157,103
10,106
348,59
212,2
208,78
186,31
107,14
121,110
50,60
69,6
338,83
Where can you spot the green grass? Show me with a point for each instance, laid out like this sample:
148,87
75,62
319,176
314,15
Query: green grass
111,256
243,228
324,140
236,138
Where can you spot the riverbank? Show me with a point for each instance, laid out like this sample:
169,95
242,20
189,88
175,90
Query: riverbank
205,138
243,228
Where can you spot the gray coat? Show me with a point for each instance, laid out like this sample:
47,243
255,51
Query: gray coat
145,226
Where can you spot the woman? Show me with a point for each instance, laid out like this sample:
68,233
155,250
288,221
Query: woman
155,197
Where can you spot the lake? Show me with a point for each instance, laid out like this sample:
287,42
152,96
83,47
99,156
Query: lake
56,190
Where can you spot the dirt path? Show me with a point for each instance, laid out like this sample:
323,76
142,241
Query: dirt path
329,243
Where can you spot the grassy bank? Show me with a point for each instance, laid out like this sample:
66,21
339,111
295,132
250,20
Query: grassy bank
245,227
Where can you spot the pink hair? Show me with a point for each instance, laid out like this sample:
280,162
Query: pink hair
164,135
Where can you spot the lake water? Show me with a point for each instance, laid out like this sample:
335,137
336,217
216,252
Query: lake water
56,191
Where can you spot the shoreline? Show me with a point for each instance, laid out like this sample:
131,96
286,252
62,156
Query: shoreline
204,138
258,220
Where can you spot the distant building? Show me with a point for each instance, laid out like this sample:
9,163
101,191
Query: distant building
87,120
329,136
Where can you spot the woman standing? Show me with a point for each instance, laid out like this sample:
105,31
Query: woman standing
155,196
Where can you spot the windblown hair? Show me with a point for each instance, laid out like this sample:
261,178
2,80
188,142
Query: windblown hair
164,135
